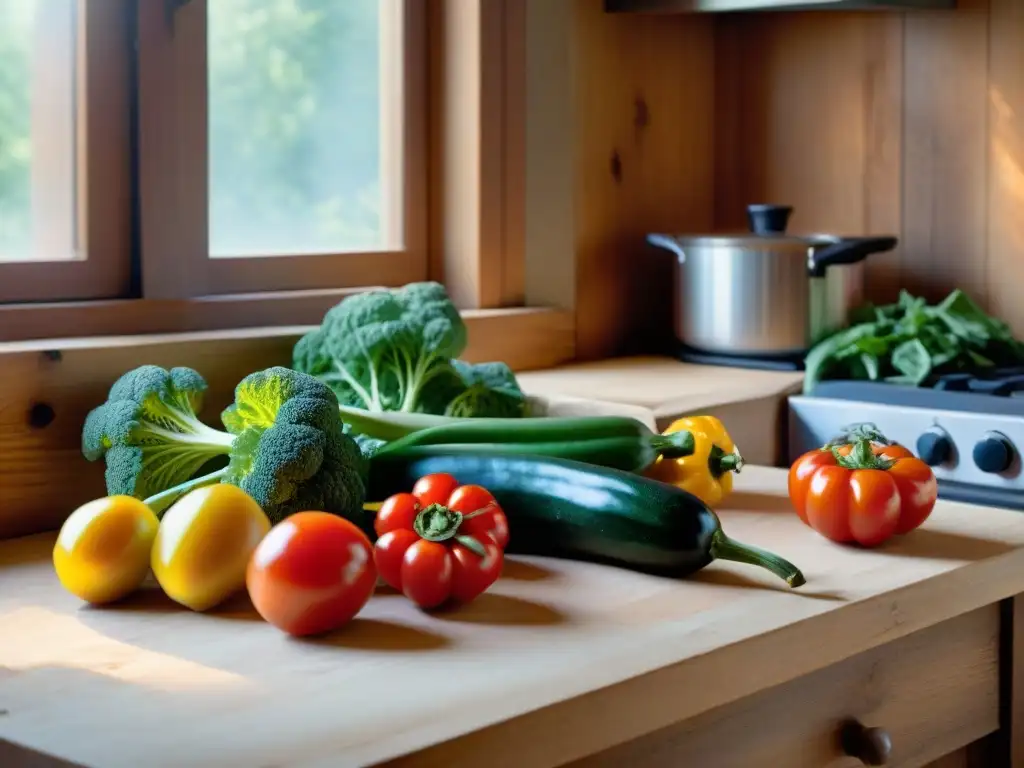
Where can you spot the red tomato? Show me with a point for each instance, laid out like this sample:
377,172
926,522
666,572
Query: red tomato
313,572
865,496
398,511
918,492
894,451
434,489
483,515
444,566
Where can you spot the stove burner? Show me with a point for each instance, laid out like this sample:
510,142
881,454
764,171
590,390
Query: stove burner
1000,382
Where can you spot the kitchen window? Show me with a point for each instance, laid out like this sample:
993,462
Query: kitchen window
190,165
282,145
64,150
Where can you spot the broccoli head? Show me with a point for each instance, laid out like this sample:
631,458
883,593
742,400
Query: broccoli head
290,451
285,445
149,432
396,350
379,350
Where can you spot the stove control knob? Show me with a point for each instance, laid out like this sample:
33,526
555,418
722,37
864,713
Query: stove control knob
993,453
934,447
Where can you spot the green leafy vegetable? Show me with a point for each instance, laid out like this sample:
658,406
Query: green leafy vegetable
285,444
910,341
397,350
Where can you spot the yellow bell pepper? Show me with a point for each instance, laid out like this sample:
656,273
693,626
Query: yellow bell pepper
707,472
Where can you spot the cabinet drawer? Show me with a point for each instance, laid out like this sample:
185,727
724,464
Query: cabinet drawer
931,692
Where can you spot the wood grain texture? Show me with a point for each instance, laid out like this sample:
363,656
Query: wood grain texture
478,89
906,123
1005,263
893,687
56,320
612,655
819,131
645,138
945,140
42,473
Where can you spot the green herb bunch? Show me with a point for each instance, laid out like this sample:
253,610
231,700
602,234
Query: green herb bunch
910,341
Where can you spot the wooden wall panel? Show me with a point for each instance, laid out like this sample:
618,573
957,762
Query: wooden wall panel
1005,263
808,114
644,90
911,123
945,140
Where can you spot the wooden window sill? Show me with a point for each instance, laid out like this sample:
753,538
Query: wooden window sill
47,386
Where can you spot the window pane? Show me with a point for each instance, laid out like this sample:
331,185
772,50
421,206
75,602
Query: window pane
295,126
37,130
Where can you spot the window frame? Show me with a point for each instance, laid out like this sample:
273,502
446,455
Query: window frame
91,80
174,168
480,245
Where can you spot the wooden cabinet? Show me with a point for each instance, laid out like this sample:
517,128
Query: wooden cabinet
923,697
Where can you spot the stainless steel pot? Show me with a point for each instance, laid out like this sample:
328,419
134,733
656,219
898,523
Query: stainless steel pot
766,293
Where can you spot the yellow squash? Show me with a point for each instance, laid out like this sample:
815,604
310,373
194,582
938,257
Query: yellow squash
707,472
204,543
102,550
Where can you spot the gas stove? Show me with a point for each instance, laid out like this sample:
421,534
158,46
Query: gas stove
969,427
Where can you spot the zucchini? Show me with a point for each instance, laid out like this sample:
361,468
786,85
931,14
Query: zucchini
608,441
563,508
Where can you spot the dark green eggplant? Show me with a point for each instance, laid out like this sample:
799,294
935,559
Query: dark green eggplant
564,508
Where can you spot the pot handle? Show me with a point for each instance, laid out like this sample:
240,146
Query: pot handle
849,250
669,243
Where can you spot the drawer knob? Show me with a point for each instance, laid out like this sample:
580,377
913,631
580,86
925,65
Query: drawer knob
872,746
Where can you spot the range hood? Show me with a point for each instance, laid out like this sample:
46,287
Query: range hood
725,6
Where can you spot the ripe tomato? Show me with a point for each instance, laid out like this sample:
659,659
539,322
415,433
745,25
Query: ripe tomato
862,495
313,572
434,489
487,517
442,542
894,451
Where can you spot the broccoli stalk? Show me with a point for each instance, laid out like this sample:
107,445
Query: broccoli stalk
285,444
159,502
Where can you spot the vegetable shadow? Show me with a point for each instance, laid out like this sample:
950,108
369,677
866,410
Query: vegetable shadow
502,610
238,607
942,545
723,578
521,570
743,501
376,635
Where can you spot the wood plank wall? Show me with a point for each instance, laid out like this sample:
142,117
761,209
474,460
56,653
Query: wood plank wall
866,122
644,91
878,122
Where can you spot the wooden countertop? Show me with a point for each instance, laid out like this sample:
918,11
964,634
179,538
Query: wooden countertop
664,385
560,660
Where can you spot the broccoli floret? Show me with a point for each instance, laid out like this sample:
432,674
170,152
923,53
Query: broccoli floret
291,452
490,390
149,432
379,350
285,446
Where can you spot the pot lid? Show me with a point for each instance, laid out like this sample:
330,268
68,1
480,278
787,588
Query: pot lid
756,242
767,230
